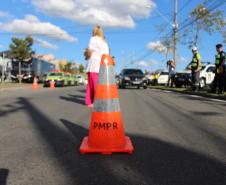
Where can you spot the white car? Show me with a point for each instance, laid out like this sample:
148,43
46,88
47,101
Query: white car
163,78
207,75
81,80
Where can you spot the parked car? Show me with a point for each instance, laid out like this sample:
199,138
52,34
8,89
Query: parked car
183,78
207,75
57,77
132,77
81,80
72,80
66,79
153,79
163,78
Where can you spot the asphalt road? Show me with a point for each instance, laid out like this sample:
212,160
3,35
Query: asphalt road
178,139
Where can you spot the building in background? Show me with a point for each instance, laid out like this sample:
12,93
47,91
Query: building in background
37,66
5,66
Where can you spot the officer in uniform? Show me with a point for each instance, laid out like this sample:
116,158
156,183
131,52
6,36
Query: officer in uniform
196,66
219,79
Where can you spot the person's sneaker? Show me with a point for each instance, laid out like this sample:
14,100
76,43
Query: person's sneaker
90,106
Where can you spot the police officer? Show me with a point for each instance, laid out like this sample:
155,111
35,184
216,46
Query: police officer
219,78
196,66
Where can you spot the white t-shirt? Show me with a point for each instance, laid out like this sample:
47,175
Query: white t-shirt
99,48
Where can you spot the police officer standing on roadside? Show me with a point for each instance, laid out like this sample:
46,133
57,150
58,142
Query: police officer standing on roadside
219,79
196,66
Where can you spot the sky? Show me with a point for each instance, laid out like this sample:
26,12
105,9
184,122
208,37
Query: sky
63,28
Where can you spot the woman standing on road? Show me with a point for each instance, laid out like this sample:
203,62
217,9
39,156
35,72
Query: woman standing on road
97,47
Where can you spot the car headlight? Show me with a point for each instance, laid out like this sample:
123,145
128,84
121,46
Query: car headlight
127,78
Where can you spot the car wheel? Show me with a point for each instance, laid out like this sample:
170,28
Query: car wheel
202,82
145,87
138,87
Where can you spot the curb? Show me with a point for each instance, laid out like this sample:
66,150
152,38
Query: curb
12,88
193,93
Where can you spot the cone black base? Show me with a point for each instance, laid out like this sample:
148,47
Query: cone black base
85,148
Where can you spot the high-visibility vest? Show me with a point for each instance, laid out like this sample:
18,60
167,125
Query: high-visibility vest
217,59
195,61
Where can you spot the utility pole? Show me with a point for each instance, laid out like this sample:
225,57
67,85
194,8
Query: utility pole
20,72
3,60
175,26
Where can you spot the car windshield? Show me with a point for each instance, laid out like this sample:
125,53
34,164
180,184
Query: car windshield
55,74
133,72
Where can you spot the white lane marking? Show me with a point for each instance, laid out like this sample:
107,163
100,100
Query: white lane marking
194,96
167,91
206,98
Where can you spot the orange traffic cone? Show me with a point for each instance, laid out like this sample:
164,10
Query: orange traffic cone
106,133
35,85
52,84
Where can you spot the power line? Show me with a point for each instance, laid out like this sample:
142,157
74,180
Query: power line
185,5
211,5
196,19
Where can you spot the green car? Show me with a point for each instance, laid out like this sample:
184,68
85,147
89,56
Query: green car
72,80
76,80
67,79
57,77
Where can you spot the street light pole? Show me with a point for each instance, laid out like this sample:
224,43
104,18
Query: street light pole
175,26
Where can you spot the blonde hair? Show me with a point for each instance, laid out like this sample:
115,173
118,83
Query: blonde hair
98,31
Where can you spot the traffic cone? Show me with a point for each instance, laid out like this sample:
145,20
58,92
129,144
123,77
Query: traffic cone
35,85
52,84
106,133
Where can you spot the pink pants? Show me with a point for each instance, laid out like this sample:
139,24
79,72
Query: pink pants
91,87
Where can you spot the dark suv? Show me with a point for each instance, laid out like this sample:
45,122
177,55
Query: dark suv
132,77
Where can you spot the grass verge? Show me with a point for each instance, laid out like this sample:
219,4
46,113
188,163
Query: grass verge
203,92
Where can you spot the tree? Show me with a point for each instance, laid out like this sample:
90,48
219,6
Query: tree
21,51
67,67
165,45
206,19
81,68
168,43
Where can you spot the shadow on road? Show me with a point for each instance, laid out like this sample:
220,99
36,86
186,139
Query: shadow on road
207,113
82,90
159,162
3,176
74,98
154,162
10,109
